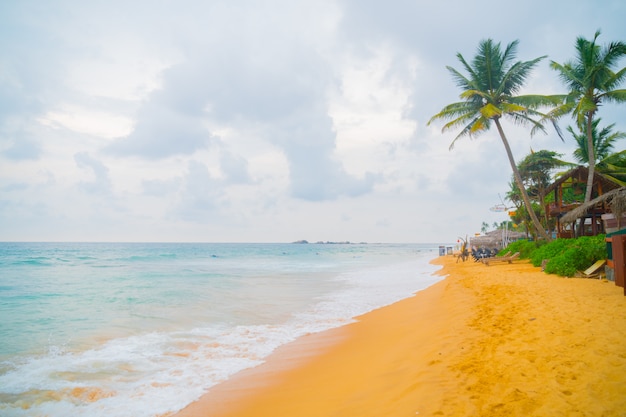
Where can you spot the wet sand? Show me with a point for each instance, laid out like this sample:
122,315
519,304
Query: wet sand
500,340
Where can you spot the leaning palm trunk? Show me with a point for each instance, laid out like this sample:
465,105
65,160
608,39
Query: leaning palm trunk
592,157
592,168
520,184
542,203
490,93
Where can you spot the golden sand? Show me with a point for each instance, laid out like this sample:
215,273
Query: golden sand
501,340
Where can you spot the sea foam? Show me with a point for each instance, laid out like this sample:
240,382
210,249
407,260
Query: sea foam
153,372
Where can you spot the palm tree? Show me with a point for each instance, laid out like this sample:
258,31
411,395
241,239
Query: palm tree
603,142
489,93
591,81
612,165
536,172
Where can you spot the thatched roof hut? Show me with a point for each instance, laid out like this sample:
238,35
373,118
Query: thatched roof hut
567,213
496,239
579,174
615,199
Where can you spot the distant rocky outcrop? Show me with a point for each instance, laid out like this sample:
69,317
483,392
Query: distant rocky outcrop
328,242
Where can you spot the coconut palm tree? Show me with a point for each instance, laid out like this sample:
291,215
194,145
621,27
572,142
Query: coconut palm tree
609,163
489,94
614,167
591,81
603,142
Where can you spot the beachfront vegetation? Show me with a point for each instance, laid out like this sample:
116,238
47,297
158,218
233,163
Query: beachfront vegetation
525,248
535,170
591,80
520,216
570,255
489,93
608,163
564,257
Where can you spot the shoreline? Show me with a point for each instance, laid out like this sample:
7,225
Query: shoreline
503,340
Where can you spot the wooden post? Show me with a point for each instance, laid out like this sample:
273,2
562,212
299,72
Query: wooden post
619,259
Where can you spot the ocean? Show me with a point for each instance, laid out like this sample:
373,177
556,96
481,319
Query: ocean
143,329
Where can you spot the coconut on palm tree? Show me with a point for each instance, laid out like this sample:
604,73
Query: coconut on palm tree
489,94
591,80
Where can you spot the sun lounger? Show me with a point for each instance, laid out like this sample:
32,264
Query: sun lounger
595,267
506,258
492,256
594,270
479,254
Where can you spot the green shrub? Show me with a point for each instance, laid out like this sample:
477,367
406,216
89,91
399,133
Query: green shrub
565,256
523,246
567,263
550,250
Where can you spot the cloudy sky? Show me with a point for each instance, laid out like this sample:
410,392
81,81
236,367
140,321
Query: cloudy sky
262,121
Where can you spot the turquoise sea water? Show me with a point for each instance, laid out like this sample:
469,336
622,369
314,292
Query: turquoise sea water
141,329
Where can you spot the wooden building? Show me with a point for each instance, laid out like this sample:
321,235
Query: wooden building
569,195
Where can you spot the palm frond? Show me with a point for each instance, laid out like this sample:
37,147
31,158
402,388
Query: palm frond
568,76
459,121
471,129
515,78
524,119
490,111
614,96
616,79
461,81
613,53
467,67
454,111
536,101
561,110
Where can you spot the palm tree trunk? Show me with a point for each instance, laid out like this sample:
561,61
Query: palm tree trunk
592,157
542,204
520,184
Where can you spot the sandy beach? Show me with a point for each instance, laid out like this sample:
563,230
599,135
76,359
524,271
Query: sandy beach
500,340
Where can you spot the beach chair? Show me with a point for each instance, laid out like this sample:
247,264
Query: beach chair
493,255
506,258
481,253
593,271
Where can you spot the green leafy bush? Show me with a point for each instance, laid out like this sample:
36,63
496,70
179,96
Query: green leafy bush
565,256
550,250
524,247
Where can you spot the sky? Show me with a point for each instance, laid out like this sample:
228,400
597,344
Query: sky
263,121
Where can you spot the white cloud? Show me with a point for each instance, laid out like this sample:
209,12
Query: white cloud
228,121
89,122
369,110
100,183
